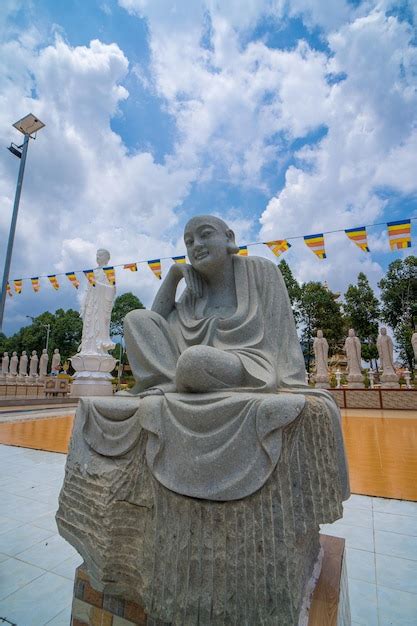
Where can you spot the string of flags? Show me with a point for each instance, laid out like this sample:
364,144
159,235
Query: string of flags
399,237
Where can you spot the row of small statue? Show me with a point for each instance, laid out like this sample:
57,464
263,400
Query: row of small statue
389,378
14,367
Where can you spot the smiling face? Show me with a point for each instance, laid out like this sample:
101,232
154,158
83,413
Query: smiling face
209,242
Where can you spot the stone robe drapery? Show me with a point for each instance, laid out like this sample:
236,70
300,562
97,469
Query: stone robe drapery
96,314
229,441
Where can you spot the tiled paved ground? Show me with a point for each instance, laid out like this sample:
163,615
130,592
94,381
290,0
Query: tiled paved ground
37,566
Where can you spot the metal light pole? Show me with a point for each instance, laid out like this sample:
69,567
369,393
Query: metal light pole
27,125
47,326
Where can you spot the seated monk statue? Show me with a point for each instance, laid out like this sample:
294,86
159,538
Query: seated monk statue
220,424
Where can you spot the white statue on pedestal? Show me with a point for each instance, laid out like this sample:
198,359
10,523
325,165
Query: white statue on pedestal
5,364
321,355
56,363
414,344
353,355
33,365
14,362
385,347
43,364
92,363
23,364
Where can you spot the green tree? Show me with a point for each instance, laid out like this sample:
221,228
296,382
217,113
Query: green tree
361,308
399,303
320,310
293,288
66,332
122,306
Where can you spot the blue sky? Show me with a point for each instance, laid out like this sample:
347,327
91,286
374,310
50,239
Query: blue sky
284,117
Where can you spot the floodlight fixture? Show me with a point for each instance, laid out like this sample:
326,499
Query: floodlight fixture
16,150
29,124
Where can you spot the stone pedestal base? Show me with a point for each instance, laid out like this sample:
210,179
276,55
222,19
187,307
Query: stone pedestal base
389,381
322,385
329,602
92,377
356,385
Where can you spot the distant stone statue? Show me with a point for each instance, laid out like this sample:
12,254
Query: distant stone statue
321,355
389,377
5,364
14,362
93,364
220,431
56,362
23,364
353,355
96,311
43,364
33,365
414,344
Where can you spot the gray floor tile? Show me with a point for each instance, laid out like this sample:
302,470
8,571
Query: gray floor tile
359,502
396,608
396,573
356,536
4,557
48,553
67,568
22,538
15,574
24,509
7,523
39,601
394,544
398,507
46,521
357,517
363,603
403,524
360,565
62,619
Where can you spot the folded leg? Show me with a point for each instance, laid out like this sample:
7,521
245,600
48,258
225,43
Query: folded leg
201,369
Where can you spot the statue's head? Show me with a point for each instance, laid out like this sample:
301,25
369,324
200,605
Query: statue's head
44,351
14,354
5,354
34,353
383,330
209,242
56,351
320,334
103,257
351,332
24,353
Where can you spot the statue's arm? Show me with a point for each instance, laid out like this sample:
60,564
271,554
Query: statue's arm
164,302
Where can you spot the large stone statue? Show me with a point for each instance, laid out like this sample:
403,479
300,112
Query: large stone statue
93,364
43,364
23,364
414,345
33,365
14,362
5,364
200,493
389,378
56,362
353,355
321,355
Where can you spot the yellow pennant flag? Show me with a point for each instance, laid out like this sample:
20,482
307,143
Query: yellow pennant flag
179,259
18,284
155,266
399,234
8,290
111,274
316,245
278,246
35,283
131,266
73,279
53,281
89,274
358,235
243,251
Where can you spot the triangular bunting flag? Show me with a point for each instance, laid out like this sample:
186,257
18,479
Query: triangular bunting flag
399,234
278,246
73,279
111,274
131,266
179,259
155,266
358,236
243,251
53,281
316,245
18,284
89,274
35,283
8,290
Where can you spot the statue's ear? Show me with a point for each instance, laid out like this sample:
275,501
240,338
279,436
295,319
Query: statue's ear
232,248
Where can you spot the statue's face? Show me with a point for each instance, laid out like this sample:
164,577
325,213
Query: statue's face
320,334
383,331
6,354
24,353
103,257
14,353
208,242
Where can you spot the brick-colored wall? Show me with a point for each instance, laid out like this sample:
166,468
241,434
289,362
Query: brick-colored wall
399,399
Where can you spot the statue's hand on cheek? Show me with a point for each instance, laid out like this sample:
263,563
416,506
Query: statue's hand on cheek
192,278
